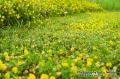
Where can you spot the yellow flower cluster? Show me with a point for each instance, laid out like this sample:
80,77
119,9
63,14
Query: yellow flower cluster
13,11
2,66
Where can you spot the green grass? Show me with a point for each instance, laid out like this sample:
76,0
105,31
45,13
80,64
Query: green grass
109,4
92,34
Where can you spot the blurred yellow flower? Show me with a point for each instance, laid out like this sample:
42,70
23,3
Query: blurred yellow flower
58,73
18,77
89,61
2,66
74,69
94,48
31,76
61,51
5,53
44,76
109,64
17,16
111,42
7,75
104,71
52,77
6,56
72,49
26,52
15,69
65,64
20,62
3,17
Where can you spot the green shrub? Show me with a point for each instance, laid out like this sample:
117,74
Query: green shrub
14,11
21,11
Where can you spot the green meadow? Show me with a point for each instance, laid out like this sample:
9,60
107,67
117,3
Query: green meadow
59,39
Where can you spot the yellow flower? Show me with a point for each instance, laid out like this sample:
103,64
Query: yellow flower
50,50
72,49
26,52
3,17
80,56
74,69
2,66
14,69
7,75
89,61
65,64
58,73
5,53
44,76
111,42
31,76
2,20
18,77
97,64
18,16
52,77
94,48
109,64
104,70
61,51
20,62
6,56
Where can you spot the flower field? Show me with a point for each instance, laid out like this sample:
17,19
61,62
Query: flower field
81,42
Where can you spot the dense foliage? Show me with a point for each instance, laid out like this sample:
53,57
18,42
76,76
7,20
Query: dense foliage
21,11
59,39
63,48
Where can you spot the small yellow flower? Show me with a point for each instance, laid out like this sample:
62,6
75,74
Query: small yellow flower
44,76
89,61
109,64
26,52
18,16
2,20
3,17
2,66
18,77
7,75
72,49
6,56
5,53
50,50
52,77
111,42
97,64
104,70
74,69
20,62
65,64
61,51
58,73
31,76
94,48
15,69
